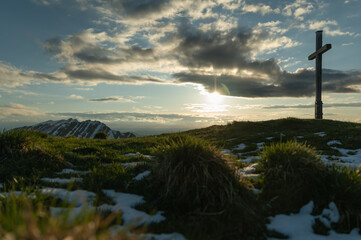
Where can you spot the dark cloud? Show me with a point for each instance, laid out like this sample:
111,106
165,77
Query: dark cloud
53,45
138,8
283,84
231,51
102,75
85,47
325,105
109,99
212,48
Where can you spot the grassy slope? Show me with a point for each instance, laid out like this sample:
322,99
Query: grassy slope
286,129
88,154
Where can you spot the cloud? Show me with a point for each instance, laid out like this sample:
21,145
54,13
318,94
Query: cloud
14,110
11,76
207,108
113,99
225,50
347,44
84,89
259,8
325,105
73,96
139,8
277,83
298,8
316,25
140,117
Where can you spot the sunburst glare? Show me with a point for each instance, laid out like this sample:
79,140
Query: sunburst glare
215,98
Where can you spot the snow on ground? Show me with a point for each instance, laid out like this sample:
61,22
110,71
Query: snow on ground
77,197
231,139
72,171
1,185
142,175
299,137
248,172
299,226
269,138
334,142
241,146
138,154
260,145
126,202
351,158
62,180
320,134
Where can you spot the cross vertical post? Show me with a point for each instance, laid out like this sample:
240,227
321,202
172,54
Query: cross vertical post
318,103
318,55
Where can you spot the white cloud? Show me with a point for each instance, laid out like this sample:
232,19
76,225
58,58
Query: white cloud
298,9
347,44
259,8
73,96
317,25
14,109
338,32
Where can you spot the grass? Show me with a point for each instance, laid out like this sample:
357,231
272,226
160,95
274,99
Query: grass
23,218
193,175
191,180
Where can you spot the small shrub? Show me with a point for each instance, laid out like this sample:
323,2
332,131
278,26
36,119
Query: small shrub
22,153
202,195
194,175
293,175
345,191
101,135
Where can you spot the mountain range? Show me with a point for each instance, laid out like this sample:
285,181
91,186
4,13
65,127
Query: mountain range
72,127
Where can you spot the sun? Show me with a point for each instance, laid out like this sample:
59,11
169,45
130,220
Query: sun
215,97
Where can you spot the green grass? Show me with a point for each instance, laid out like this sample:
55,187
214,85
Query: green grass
191,180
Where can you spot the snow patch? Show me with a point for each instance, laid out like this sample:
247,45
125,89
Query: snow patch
78,197
248,172
126,202
260,145
142,175
72,171
61,180
241,146
334,142
299,226
320,134
1,185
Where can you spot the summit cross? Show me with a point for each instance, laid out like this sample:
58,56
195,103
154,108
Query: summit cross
318,55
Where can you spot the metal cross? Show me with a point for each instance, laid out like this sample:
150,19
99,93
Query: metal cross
318,55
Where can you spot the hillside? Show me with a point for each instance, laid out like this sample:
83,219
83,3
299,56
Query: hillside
238,181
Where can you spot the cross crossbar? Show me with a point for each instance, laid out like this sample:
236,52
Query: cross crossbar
325,48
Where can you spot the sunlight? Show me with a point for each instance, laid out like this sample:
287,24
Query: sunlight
215,98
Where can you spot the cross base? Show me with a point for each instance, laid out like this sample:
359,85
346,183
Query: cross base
318,109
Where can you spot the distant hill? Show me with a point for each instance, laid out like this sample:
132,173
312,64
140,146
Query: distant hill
72,127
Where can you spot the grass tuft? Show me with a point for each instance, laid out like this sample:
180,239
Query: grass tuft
194,175
293,175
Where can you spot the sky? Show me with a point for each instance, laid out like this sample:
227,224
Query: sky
153,66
